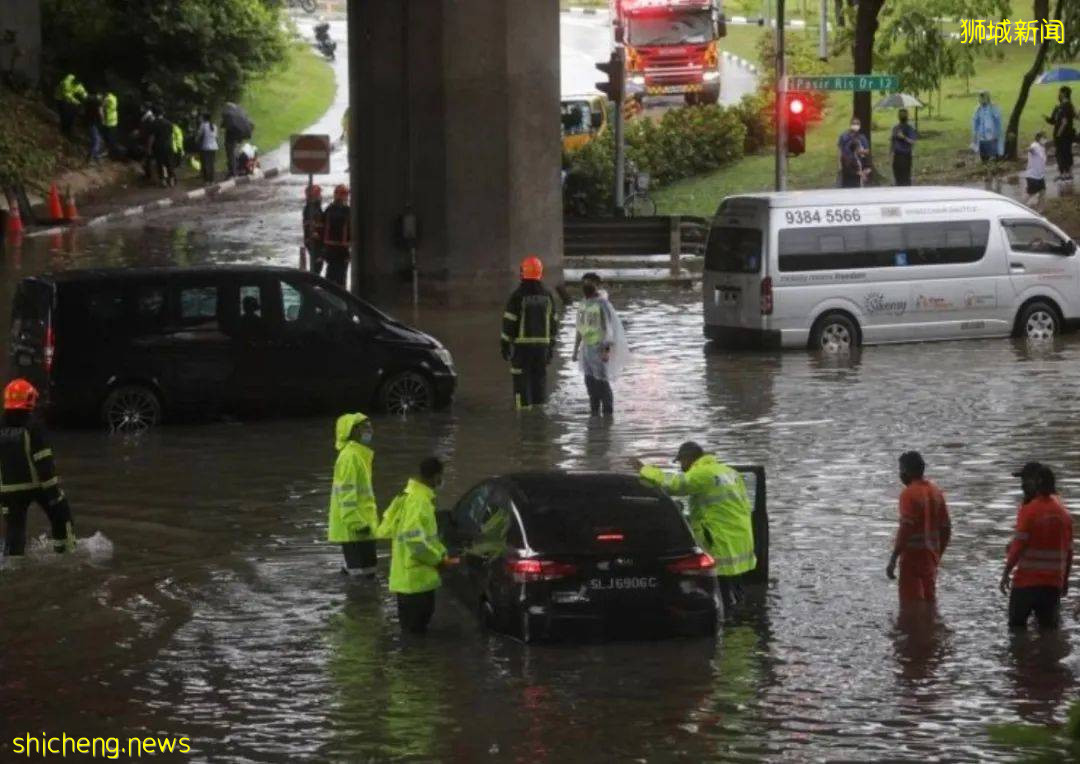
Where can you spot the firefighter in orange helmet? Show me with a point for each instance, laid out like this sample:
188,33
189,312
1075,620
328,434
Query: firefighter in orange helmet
27,472
529,328
337,236
924,533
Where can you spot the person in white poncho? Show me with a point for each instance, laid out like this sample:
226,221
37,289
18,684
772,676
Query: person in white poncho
600,346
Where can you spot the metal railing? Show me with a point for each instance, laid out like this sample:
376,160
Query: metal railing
674,235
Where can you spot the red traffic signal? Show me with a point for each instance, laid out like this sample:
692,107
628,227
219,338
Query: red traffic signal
796,125
615,68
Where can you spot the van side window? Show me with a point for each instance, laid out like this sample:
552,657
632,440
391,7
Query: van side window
850,247
1033,237
199,307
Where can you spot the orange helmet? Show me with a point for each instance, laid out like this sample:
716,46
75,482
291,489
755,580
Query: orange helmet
20,395
341,192
532,269
314,192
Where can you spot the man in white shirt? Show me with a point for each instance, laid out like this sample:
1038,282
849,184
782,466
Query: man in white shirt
1035,174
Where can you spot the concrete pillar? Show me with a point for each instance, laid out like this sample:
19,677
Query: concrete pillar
458,119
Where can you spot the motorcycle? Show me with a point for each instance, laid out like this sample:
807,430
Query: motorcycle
323,42
308,6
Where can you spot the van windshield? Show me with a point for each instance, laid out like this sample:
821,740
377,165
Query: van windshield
734,250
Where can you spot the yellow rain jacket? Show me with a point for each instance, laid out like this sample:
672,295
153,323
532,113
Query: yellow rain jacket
415,548
720,511
353,515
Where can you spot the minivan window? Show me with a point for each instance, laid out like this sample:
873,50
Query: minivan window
569,522
849,247
734,250
1034,237
198,305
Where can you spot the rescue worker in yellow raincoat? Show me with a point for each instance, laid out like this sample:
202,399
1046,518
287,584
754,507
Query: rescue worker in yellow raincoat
416,553
720,513
354,517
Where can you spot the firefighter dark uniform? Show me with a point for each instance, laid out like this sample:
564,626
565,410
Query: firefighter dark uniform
528,335
313,229
27,473
336,236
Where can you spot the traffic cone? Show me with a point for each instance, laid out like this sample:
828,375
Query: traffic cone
70,211
14,222
56,212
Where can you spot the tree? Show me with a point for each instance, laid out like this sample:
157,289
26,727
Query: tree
185,54
862,51
1042,13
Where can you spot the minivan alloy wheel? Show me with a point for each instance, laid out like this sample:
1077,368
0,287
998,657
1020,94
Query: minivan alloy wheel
131,409
1040,325
835,338
407,393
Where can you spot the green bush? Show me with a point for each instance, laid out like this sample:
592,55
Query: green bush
684,142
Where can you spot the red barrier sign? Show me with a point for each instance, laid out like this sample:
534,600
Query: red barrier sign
309,154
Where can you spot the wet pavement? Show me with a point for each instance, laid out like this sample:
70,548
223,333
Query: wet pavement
203,602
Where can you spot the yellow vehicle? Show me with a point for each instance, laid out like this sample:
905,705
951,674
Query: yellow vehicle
583,118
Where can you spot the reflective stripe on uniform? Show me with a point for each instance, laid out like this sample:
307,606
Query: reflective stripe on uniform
532,341
43,453
736,560
510,316
1021,536
505,337
14,487
1054,565
51,482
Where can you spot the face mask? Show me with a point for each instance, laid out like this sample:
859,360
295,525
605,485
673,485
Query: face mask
366,436
903,119
854,128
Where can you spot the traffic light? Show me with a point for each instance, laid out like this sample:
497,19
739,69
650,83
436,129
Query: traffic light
615,86
796,124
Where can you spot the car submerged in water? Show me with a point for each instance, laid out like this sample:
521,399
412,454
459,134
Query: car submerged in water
546,555
132,347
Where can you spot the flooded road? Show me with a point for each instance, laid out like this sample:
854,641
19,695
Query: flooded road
204,603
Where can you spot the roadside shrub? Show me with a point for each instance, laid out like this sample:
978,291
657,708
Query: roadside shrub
755,113
683,142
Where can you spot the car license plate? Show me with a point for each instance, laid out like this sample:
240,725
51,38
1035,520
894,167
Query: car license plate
670,89
624,583
727,297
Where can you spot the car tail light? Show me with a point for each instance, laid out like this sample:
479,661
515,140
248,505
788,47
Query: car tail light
528,570
50,348
766,296
694,565
611,537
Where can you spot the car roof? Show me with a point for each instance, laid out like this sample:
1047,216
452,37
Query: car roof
541,484
107,274
875,195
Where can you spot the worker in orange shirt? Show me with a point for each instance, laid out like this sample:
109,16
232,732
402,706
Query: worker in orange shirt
923,535
1040,553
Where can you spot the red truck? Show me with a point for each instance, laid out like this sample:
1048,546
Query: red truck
671,46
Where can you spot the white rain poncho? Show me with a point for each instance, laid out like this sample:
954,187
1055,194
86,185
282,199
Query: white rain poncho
600,329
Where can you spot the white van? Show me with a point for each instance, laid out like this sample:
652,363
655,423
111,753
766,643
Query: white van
841,267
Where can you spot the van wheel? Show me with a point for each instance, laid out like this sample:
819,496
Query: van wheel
407,393
1039,321
131,408
834,333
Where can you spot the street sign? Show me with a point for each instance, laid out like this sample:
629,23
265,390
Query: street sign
844,82
309,154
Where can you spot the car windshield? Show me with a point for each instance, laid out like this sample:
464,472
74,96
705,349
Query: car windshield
687,28
569,520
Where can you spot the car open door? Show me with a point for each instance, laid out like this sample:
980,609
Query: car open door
754,477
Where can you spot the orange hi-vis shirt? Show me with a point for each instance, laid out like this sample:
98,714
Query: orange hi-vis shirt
1041,548
924,525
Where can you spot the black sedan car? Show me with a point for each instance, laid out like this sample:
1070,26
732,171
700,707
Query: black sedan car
552,554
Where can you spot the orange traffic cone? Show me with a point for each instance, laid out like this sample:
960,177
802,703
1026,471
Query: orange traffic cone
70,211
14,222
56,212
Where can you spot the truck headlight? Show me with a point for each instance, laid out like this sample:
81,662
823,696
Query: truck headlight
637,79
711,76
444,355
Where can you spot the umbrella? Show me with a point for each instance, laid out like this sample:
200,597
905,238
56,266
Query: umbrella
899,101
234,118
1061,74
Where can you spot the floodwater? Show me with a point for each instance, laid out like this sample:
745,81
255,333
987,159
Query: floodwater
204,603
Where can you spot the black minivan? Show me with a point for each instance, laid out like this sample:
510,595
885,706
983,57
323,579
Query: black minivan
130,348
555,554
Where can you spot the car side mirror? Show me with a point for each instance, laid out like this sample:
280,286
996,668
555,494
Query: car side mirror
1069,247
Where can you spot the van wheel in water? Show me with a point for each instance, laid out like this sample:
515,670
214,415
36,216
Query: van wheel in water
131,408
835,333
407,393
1039,321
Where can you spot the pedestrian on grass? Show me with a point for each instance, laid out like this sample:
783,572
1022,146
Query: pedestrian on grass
1035,173
987,133
161,147
69,94
1064,132
901,146
1040,555
206,139
110,114
853,153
